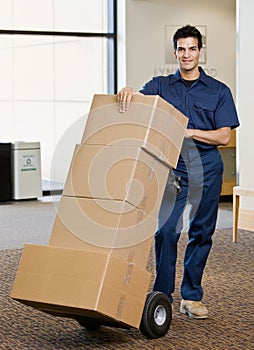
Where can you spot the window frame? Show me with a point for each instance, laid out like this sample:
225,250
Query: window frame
111,35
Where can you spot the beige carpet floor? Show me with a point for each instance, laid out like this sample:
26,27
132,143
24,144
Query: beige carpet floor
229,295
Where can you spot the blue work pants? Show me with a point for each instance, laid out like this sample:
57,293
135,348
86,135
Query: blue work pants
201,181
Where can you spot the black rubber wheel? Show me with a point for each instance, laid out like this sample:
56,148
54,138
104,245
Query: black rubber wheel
91,324
157,315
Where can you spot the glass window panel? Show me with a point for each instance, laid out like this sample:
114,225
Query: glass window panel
33,65
90,16
57,15
33,14
39,73
80,67
6,68
6,14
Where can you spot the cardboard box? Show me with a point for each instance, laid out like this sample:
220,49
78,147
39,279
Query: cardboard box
95,263
150,122
137,254
103,223
79,283
120,173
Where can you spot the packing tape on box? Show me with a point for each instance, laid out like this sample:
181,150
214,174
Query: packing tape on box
127,279
120,307
131,255
128,274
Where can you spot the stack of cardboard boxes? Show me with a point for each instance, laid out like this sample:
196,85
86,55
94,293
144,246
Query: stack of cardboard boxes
95,263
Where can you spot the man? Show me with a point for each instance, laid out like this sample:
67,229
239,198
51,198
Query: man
209,106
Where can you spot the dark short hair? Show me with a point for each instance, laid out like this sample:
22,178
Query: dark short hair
186,32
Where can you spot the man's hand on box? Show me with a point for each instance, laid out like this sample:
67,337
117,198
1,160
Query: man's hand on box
124,98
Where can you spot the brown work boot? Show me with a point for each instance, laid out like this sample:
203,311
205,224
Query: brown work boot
194,309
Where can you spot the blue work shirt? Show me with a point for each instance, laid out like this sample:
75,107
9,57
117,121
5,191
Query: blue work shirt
208,103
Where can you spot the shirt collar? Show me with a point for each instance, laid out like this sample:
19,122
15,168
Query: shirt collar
203,76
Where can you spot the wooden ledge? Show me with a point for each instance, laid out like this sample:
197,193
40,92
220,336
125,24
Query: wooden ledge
243,191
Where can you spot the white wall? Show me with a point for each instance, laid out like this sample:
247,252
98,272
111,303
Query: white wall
229,52
47,82
146,21
245,101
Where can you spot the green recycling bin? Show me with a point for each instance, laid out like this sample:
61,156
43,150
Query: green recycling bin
26,170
